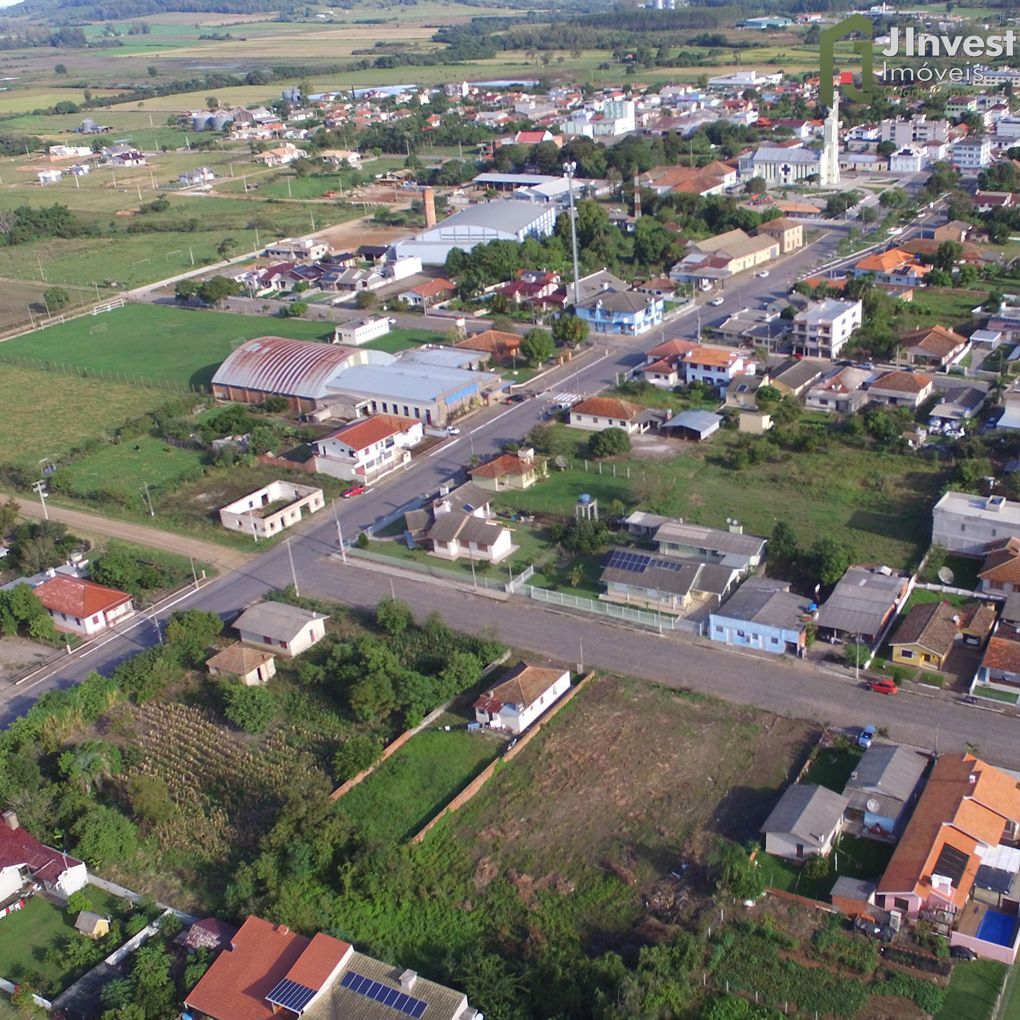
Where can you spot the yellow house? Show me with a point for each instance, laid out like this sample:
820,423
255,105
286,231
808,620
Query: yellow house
517,470
91,925
927,635
739,249
789,233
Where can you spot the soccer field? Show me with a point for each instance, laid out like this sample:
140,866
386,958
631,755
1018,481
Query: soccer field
176,346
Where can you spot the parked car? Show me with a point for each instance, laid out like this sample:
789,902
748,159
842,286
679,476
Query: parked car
884,686
866,737
716,301
761,274
962,953
354,490
452,430
876,931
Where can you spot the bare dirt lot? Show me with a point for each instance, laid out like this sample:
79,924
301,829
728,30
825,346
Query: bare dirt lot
19,654
635,778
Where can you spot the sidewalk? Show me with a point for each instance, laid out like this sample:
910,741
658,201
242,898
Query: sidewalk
221,557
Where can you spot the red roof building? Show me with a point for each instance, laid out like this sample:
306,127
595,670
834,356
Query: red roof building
23,857
83,607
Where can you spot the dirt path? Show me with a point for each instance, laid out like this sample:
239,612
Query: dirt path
78,521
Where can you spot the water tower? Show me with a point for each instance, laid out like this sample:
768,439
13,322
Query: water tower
586,508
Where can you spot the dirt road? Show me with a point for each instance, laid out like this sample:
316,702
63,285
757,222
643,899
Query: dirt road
223,559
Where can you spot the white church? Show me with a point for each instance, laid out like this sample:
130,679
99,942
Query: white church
778,165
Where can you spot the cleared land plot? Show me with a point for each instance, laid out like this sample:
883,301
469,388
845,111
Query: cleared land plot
409,788
635,776
880,502
169,345
65,410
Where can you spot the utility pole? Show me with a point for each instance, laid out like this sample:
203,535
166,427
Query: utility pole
569,170
339,534
40,487
152,513
293,572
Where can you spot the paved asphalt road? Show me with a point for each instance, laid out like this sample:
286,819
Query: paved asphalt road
787,687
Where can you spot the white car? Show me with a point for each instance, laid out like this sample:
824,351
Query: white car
452,430
762,274
716,301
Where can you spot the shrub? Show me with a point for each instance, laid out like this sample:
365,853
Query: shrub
248,708
609,443
357,754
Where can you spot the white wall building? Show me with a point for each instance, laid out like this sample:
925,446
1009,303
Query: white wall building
281,628
82,607
972,153
521,698
360,331
368,449
822,329
965,523
269,510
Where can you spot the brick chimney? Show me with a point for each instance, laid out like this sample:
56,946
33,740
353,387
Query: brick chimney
429,201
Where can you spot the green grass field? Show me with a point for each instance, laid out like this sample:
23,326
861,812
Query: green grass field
409,788
855,857
169,345
973,990
65,410
124,468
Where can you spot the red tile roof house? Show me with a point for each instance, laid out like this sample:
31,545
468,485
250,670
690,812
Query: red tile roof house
24,859
521,698
269,972
598,413
664,364
83,607
517,470
958,858
901,389
428,293
369,448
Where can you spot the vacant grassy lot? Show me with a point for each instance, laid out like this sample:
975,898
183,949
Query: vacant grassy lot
878,502
169,345
54,412
123,469
973,990
409,788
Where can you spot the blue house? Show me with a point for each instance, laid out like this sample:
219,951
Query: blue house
762,614
621,311
882,788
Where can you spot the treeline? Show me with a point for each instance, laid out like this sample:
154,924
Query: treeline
16,37
26,223
83,11
18,145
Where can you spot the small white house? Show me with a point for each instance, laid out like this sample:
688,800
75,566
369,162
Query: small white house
49,176
297,248
521,698
360,331
597,413
79,606
24,859
284,629
267,511
805,822
252,666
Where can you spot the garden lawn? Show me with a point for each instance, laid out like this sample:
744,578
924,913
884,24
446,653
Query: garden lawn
973,991
833,766
409,788
122,469
853,856
174,346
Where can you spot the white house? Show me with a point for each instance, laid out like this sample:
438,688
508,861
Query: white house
805,822
267,511
521,698
49,176
297,248
717,367
598,413
911,159
284,629
459,523
79,606
360,331
369,448
24,859
972,153
252,666
965,523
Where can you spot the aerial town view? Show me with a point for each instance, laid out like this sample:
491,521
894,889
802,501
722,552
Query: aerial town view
509,510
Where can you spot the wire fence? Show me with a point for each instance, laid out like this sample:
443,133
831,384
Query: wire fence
83,372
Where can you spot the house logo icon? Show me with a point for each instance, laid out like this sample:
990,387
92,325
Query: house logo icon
855,24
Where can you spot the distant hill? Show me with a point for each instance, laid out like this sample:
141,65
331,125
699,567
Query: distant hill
79,11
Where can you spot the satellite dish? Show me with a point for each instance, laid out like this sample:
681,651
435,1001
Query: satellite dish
873,806
946,575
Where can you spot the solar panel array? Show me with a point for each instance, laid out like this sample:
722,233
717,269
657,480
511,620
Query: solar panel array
623,559
291,995
952,863
402,1003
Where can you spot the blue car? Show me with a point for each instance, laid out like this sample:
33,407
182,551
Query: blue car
867,737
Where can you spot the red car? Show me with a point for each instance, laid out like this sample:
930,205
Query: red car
884,686
354,490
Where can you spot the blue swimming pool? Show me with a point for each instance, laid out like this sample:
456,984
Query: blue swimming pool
997,928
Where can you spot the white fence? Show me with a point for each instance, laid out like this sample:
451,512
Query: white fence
10,988
611,610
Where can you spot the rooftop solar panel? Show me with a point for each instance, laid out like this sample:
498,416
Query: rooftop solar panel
291,995
622,559
952,863
396,1000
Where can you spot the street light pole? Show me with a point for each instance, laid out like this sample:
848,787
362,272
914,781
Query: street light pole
569,169
339,534
293,572
40,487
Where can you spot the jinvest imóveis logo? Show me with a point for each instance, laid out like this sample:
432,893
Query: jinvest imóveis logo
854,24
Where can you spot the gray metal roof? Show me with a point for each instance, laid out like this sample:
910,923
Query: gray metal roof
617,301
697,536
673,574
275,620
861,601
798,373
413,382
442,357
885,779
520,180
809,813
696,421
764,601
848,888
290,368
465,528
506,214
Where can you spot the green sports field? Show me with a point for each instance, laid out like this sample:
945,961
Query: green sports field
166,345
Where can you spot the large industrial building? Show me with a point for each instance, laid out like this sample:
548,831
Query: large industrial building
502,220
345,382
